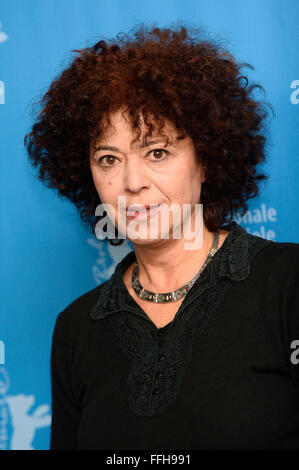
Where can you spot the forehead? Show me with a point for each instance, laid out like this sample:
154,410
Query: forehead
120,126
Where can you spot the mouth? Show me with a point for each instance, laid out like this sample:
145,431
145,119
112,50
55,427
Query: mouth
141,212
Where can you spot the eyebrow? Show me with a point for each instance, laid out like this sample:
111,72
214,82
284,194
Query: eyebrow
115,149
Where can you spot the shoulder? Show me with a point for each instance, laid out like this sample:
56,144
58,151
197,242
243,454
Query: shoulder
75,316
276,264
273,252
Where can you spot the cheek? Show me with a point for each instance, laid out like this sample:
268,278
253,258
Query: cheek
103,188
191,186
108,192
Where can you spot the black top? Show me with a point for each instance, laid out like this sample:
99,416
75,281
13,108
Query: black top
223,374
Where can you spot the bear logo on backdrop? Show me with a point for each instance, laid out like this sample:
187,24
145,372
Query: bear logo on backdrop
17,423
103,267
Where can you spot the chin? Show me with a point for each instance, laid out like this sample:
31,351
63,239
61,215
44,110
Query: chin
143,238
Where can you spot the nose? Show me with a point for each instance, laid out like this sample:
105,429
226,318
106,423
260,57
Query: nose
135,176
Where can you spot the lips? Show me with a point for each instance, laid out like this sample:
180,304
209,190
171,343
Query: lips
141,211
140,208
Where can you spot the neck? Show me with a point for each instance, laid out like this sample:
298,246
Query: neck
166,265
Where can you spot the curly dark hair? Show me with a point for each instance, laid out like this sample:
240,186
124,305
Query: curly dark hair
174,73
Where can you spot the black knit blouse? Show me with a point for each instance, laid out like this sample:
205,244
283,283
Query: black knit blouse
223,374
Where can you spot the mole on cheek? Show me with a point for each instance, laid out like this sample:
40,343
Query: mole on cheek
109,182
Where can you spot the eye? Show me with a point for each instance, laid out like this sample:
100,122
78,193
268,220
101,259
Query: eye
109,157
160,151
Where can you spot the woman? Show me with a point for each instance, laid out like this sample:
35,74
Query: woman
180,348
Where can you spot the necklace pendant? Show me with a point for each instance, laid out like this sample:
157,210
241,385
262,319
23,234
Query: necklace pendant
177,294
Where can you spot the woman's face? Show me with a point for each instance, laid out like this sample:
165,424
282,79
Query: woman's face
145,175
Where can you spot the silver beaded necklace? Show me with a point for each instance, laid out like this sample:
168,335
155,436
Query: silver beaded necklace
176,294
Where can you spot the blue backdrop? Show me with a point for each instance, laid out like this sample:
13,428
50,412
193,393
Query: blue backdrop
47,257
